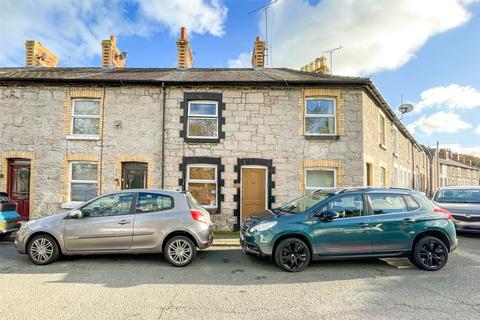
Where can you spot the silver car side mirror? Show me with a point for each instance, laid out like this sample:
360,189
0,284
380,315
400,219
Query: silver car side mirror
75,214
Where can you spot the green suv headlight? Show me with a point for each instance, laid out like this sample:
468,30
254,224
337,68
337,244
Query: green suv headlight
263,226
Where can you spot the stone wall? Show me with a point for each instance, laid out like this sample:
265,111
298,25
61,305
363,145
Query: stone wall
260,123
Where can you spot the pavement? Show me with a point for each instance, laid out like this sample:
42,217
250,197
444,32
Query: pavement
223,283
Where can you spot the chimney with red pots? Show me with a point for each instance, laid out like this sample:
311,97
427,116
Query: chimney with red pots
258,54
185,58
38,55
112,57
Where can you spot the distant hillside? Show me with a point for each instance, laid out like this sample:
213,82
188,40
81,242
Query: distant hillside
475,160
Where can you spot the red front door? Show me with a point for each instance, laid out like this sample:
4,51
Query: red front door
19,185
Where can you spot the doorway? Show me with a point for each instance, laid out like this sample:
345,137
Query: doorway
18,185
369,175
134,175
253,191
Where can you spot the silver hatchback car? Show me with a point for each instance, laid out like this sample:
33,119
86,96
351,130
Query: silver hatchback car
128,221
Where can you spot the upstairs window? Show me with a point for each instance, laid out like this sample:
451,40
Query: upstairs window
395,141
383,131
320,117
202,120
86,117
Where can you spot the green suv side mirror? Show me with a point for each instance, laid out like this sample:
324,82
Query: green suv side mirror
328,215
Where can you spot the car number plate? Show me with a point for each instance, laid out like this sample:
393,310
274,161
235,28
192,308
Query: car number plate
2,225
242,237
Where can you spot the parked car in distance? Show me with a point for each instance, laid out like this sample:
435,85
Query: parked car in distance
10,220
352,223
127,221
463,203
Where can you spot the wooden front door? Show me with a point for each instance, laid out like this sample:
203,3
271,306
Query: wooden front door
19,185
134,175
254,190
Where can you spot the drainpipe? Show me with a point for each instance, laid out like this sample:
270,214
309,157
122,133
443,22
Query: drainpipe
163,133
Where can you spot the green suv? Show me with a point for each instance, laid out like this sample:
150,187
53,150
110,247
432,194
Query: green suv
352,223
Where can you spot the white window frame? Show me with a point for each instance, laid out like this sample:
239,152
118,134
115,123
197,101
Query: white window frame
307,188
70,180
307,115
382,120
83,116
188,180
395,141
201,116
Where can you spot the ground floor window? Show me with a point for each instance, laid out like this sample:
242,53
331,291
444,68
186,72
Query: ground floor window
83,181
319,178
202,183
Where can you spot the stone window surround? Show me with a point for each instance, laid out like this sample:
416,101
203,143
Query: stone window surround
322,164
133,158
204,160
327,93
29,155
72,157
82,93
268,163
202,96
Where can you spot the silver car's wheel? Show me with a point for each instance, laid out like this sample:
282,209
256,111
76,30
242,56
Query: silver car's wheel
180,251
43,249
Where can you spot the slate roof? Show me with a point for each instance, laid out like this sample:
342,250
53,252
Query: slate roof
173,75
454,163
198,76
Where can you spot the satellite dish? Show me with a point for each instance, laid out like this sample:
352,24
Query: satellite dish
405,108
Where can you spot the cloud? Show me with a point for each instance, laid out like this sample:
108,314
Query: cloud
455,147
244,60
375,35
452,97
440,122
74,29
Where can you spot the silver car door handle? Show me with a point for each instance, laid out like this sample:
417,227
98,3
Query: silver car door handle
363,225
408,220
124,222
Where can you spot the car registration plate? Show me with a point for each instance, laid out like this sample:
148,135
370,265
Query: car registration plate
242,237
2,225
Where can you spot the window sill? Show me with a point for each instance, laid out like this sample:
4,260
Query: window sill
83,137
319,137
384,147
70,205
202,140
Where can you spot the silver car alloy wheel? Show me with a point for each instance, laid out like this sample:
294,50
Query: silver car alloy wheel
41,250
180,251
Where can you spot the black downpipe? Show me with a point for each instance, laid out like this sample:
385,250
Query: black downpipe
163,133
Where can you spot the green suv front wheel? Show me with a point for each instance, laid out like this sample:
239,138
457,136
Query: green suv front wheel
292,255
429,253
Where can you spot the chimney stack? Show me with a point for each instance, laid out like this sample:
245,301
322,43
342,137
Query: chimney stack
112,57
38,55
258,54
185,58
319,65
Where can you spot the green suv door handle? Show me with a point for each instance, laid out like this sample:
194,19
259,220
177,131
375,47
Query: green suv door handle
363,225
408,220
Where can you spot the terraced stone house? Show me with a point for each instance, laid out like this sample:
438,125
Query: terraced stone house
241,140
